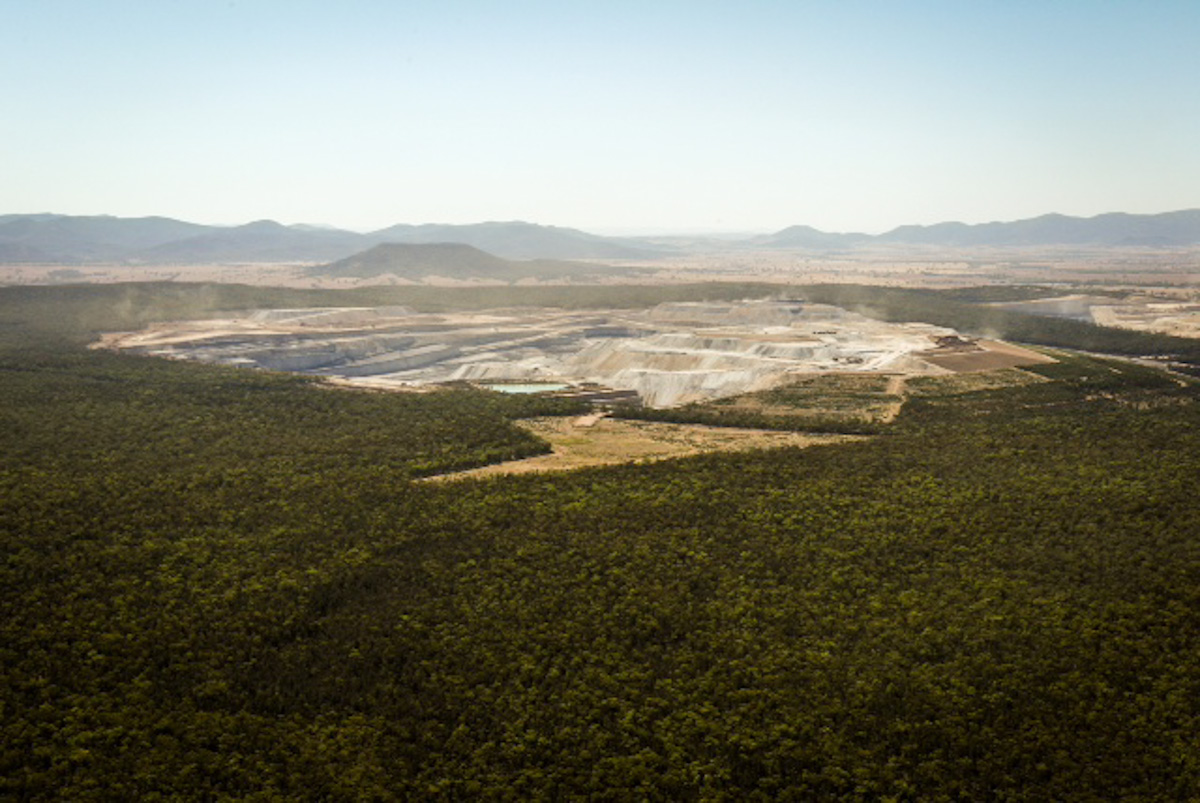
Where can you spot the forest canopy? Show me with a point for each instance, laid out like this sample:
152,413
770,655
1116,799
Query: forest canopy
226,583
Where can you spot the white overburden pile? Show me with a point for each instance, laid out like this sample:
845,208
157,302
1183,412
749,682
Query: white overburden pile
673,354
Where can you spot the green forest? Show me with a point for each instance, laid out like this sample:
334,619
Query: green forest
230,584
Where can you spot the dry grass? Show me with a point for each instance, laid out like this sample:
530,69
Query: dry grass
580,443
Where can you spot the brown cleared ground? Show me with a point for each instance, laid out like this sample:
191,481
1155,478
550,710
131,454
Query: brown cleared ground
991,355
585,442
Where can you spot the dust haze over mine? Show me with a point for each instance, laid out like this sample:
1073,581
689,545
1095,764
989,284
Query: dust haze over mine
670,355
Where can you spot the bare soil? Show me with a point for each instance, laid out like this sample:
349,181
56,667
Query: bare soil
991,355
586,442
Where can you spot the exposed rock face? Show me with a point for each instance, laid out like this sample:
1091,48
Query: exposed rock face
672,354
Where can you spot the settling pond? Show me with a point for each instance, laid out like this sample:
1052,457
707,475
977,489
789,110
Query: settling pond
541,387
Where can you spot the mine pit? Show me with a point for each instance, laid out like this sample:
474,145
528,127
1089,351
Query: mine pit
1178,317
669,355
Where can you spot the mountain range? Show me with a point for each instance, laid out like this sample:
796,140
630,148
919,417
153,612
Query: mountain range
69,240
63,239
1116,229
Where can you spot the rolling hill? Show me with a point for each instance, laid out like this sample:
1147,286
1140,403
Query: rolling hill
71,239
65,239
78,240
260,241
1116,229
417,261
519,240
1169,229
808,237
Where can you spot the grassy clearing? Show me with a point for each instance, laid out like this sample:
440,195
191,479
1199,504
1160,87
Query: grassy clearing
614,441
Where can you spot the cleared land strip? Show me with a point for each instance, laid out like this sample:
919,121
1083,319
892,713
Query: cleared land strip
610,441
897,387
985,355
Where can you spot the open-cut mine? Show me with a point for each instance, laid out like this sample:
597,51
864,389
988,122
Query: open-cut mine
1178,316
671,354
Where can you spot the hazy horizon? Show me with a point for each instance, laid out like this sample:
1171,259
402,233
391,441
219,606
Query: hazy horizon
671,118
619,231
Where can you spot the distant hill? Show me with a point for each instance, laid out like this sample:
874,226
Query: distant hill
1169,229
64,238
808,237
80,240
69,239
520,240
418,261
261,241
1114,229
17,252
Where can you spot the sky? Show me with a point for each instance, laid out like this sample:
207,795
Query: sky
609,116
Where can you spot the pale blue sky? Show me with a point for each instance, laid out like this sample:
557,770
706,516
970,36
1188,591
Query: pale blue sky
604,115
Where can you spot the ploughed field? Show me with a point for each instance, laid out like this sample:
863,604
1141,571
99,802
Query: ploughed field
672,354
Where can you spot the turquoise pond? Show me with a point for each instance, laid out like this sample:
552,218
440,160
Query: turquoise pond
540,387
